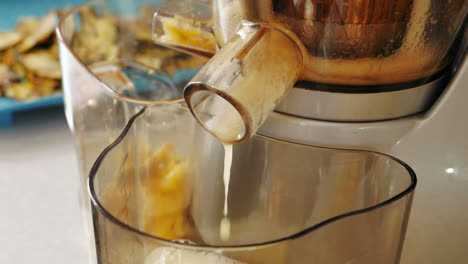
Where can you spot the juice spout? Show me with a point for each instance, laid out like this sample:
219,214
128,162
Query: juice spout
233,94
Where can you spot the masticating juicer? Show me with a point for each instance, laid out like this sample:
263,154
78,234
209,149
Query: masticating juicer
382,75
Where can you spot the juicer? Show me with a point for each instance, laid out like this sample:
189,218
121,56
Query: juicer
388,76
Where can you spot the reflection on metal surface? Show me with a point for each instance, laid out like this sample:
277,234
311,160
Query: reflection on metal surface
346,11
338,106
363,28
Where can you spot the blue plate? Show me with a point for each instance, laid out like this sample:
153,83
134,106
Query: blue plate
8,106
11,12
21,8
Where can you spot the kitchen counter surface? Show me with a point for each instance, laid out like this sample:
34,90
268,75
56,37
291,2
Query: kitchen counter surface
40,220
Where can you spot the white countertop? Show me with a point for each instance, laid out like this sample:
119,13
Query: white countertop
38,188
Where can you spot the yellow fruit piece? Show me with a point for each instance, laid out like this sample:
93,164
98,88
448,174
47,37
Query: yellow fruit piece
6,75
27,25
44,31
43,64
9,39
174,178
20,91
184,32
97,38
172,226
159,192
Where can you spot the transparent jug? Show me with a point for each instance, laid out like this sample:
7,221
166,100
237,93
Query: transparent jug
158,193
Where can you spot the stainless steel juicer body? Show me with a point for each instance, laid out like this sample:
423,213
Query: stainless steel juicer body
359,60
363,60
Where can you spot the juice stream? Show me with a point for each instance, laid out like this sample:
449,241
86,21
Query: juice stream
225,225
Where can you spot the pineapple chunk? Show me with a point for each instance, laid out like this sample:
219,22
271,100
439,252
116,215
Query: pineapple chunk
185,32
164,195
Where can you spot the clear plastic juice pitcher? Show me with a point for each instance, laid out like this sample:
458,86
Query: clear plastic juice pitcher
158,196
